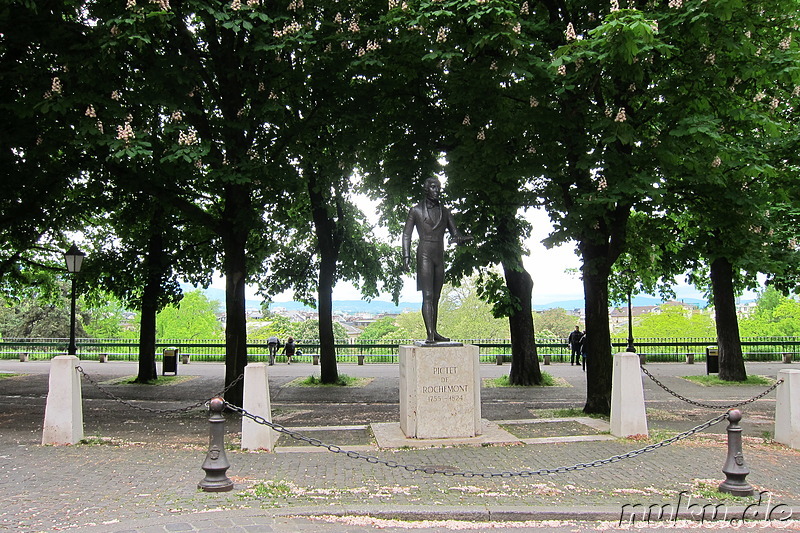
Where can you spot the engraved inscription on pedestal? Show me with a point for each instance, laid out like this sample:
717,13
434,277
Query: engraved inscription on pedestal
440,392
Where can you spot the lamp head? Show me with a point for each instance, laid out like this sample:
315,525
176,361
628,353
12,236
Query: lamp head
74,259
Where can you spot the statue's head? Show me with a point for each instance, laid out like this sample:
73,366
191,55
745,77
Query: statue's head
432,187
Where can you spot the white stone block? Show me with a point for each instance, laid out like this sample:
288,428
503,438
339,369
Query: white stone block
628,416
257,436
440,392
63,413
787,409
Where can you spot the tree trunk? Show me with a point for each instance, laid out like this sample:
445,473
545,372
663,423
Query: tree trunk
524,358
326,232
147,334
327,342
599,361
731,360
154,267
234,245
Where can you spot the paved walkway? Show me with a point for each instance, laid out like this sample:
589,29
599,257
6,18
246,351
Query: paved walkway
139,470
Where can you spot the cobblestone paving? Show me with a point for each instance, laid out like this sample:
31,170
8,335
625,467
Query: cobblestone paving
143,469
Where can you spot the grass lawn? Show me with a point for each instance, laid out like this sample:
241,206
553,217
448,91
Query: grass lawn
547,381
712,380
343,381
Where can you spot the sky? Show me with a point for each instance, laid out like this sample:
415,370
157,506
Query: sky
549,268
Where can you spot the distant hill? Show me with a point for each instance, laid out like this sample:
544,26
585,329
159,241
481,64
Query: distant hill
343,306
636,301
381,306
355,306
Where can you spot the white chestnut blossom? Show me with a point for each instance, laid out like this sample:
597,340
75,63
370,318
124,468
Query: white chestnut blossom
125,133
187,138
570,33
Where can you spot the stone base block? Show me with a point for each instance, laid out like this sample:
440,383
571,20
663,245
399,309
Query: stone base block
257,436
63,413
628,416
787,409
440,392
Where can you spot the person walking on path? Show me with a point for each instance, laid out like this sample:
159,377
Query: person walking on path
574,342
273,343
584,350
289,349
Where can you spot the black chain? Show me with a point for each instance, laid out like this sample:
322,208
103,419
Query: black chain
709,406
467,474
151,409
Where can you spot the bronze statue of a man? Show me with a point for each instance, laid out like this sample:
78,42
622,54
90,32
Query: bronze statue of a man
431,220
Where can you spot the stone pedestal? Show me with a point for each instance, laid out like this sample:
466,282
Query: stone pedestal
787,409
628,416
440,392
63,413
257,436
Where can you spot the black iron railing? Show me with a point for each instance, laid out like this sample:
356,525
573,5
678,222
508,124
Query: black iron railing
383,351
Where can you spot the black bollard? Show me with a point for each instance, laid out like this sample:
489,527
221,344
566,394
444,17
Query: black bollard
216,463
735,468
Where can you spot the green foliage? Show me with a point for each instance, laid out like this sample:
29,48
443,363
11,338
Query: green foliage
274,325
194,318
463,315
105,320
309,330
41,318
555,323
775,315
381,328
673,321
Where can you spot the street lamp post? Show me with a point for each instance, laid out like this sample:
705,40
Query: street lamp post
629,277
74,259
631,348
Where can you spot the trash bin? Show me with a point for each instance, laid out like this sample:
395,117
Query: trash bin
712,360
170,362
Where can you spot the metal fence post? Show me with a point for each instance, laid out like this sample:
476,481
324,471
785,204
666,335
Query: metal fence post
216,463
735,468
